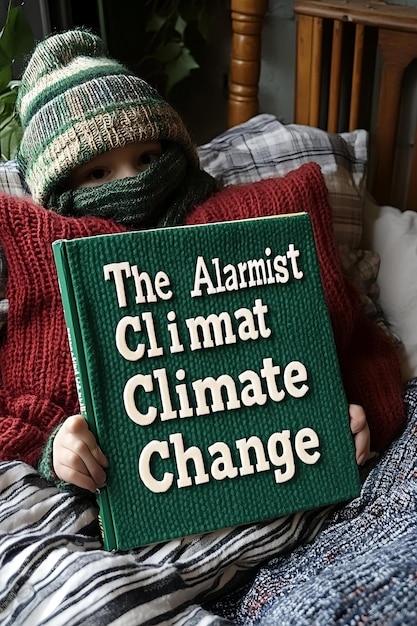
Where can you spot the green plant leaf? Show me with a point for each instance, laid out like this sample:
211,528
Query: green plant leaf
16,37
5,77
173,32
180,68
7,104
155,23
169,52
180,26
197,12
10,137
5,60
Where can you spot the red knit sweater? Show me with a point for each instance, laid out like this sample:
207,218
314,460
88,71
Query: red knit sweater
38,386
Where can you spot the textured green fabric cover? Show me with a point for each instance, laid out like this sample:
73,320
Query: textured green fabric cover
271,324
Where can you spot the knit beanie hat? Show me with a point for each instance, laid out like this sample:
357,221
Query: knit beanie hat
75,103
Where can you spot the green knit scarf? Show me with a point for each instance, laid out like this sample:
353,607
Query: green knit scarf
160,196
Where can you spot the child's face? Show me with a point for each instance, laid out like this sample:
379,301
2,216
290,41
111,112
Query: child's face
116,164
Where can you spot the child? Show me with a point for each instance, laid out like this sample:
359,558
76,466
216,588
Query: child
76,104
104,152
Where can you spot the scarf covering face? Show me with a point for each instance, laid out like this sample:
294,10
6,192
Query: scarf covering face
162,195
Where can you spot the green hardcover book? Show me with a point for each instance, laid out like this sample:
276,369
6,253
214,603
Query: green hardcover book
206,367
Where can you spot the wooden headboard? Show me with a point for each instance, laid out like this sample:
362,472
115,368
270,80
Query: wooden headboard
351,60
245,63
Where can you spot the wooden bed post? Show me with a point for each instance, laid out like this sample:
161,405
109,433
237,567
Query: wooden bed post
247,21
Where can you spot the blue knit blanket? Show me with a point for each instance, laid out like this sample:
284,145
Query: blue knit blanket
355,564
362,567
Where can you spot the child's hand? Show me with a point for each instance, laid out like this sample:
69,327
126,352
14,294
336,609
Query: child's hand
360,431
77,459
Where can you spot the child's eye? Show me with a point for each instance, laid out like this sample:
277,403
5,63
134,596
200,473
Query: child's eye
97,174
147,158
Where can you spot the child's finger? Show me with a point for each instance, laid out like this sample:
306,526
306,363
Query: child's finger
361,447
78,428
357,418
74,463
72,476
84,460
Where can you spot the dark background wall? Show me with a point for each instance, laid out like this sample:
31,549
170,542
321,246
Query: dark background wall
201,98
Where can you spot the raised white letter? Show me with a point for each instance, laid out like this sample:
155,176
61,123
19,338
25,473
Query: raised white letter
144,381
154,447
118,269
306,439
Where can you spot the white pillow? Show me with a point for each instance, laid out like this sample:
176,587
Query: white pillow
393,235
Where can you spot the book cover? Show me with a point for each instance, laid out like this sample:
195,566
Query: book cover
206,367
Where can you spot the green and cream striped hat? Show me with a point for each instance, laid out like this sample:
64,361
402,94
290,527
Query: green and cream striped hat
75,103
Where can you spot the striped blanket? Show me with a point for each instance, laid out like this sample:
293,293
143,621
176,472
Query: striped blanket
354,564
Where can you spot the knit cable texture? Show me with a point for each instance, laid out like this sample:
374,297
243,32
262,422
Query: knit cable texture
38,386
75,103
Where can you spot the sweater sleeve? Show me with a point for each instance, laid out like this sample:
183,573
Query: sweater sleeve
24,426
45,466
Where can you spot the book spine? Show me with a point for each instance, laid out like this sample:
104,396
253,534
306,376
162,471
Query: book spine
82,379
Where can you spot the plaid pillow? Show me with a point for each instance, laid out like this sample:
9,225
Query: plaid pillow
263,148
11,179
362,267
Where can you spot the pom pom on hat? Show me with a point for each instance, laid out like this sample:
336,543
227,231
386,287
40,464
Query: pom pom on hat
75,103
